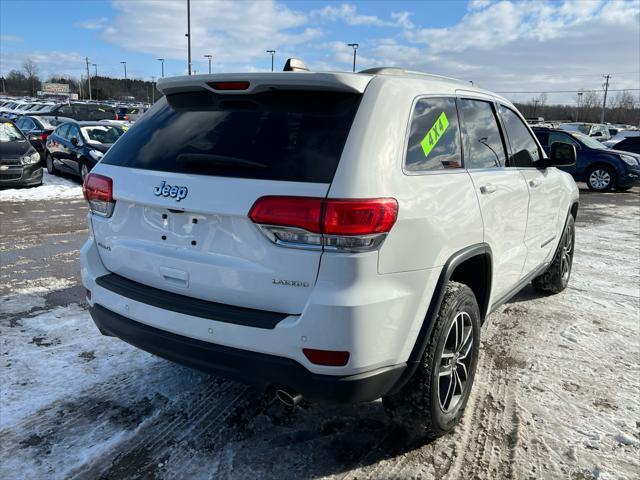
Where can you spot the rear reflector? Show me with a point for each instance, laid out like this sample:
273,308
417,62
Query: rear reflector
329,358
229,85
98,191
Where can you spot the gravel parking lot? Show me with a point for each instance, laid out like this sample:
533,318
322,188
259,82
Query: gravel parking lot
556,394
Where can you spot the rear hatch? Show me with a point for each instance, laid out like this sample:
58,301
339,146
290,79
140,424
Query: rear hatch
186,175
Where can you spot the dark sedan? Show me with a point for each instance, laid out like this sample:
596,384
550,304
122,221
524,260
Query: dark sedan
599,167
37,129
20,164
75,147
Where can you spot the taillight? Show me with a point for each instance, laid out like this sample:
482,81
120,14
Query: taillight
98,191
332,224
44,136
229,85
117,117
126,118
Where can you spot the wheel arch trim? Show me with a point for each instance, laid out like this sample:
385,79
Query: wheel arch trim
455,260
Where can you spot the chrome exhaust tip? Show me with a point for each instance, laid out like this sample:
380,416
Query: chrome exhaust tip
288,397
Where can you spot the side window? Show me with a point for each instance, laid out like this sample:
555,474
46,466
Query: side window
65,110
73,132
28,124
524,149
543,137
483,146
560,137
20,123
62,130
434,140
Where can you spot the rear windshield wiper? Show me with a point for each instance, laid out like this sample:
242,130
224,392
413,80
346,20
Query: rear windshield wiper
206,159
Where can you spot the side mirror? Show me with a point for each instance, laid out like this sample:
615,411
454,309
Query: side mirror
521,159
562,155
74,141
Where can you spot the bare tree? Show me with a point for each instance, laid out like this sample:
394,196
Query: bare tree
32,70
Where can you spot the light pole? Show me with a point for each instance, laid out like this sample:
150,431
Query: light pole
188,34
153,90
272,52
125,74
209,57
88,76
161,60
355,47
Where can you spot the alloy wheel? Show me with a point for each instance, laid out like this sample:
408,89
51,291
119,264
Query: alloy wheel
600,179
566,254
455,362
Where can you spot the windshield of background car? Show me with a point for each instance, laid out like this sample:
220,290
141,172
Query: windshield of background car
588,141
102,134
10,133
586,129
277,135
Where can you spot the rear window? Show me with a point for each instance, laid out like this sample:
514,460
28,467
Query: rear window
280,135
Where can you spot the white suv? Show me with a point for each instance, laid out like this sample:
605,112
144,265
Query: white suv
338,237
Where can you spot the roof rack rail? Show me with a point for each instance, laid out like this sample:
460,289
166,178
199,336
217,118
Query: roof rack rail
408,73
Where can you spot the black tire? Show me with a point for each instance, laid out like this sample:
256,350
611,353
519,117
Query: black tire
600,178
426,406
48,161
556,278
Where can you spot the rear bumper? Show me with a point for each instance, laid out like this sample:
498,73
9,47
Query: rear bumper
257,369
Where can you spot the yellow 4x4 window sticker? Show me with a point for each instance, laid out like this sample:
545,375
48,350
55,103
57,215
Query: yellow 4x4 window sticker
434,134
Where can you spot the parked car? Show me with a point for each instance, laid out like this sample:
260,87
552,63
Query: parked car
601,168
38,128
629,144
621,136
75,147
323,233
80,111
20,164
596,130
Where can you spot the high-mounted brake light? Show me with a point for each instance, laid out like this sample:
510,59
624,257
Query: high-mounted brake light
332,224
98,192
229,85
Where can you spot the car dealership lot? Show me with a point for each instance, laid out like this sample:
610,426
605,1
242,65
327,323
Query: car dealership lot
556,394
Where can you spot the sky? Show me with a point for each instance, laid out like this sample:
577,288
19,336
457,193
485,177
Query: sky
503,46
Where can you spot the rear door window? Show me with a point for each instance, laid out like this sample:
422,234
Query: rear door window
434,137
483,144
278,135
62,130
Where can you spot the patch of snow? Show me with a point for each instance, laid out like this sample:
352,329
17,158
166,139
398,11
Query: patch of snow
52,188
28,298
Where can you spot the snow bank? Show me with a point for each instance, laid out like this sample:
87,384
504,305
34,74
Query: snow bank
52,188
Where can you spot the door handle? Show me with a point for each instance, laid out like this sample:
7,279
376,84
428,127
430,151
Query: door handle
535,182
488,188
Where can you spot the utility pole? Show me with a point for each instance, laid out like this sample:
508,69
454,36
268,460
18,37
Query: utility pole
209,57
272,53
95,66
188,34
579,105
153,90
355,47
125,74
604,102
161,60
88,76
535,107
